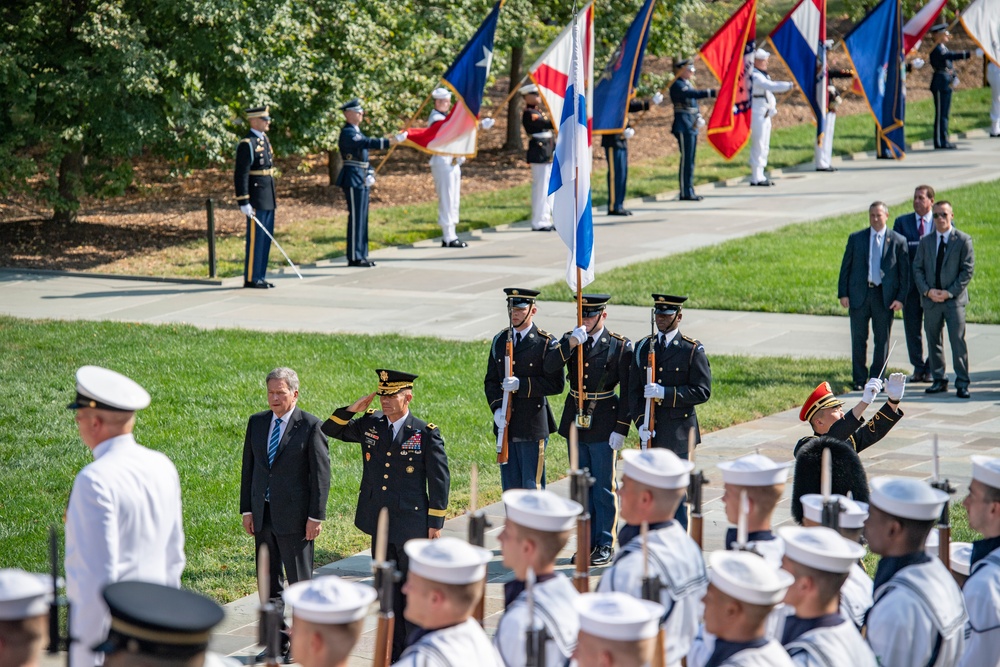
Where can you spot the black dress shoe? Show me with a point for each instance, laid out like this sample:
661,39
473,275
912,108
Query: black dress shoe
919,377
694,198
601,555
260,284
858,387
766,183
550,228
937,387
826,169
269,285
963,392
620,212
363,263
572,559
949,147
457,243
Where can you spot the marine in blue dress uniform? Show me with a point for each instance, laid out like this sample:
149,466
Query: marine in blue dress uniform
685,98
355,178
942,81
254,181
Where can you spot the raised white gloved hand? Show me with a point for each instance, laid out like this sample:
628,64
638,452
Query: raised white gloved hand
246,209
370,180
498,418
487,123
644,436
872,389
979,52
700,122
401,137
658,98
832,90
955,82
616,441
579,334
918,63
895,386
629,133
653,390
460,160
510,384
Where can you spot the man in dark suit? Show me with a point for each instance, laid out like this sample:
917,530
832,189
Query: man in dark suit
531,419
285,483
405,469
943,269
874,280
254,181
604,422
914,226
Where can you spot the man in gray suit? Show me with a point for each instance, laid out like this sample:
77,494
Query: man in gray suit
874,280
944,266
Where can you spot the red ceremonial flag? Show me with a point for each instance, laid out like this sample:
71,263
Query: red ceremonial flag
917,27
729,56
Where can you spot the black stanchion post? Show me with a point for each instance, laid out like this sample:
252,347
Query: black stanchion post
210,209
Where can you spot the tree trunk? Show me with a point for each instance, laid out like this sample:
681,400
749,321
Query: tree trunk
70,183
333,164
513,107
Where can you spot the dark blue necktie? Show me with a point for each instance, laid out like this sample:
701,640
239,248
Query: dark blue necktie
272,444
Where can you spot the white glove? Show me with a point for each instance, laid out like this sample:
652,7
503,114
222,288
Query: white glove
918,63
979,52
653,390
579,334
487,123
510,384
644,435
872,389
895,386
246,209
629,133
701,122
772,112
955,82
370,180
616,441
498,418
658,98
401,137
460,161
828,43
832,90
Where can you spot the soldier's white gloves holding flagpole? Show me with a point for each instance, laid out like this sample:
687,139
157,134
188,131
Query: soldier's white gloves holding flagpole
616,441
579,334
510,384
895,386
658,98
629,133
872,389
487,123
653,390
401,137
644,436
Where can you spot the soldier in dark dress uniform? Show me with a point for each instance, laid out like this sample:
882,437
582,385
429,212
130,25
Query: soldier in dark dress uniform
825,414
355,177
616,151
685,98
254,181
531,419
605,422
541,144
942,81
405,469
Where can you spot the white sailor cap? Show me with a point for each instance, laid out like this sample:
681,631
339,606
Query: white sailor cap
105,389
23,594
618,616
754,470
441,94
986,470
528,89
821,548
907,498
329,600
761,54
931,543
541,510
961,557
853,513
447,560
657,467
748,577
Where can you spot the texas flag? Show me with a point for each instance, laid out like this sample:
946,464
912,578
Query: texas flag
551,71
917,27
799,40
466,78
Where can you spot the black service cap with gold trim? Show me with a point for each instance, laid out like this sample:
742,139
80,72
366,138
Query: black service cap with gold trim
259,112
155,620
519,297
393,382
593,304
682,63
666,304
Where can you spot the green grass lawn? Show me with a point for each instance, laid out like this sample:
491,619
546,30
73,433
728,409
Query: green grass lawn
797,273
205,384
324,238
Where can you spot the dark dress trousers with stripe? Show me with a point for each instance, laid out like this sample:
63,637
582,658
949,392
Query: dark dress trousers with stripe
254,182
354,147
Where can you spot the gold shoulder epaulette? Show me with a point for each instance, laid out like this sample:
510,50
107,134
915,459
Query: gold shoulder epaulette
370,411
618,336
431,426
245,140
545,334
691,340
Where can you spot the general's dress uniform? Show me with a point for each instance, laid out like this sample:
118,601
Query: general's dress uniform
684,97
254,182
860,434
942,61
541,145
763,107
616,151
982,588
355,178
531,418
607,359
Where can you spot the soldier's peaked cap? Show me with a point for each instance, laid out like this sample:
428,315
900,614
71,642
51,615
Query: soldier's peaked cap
518,297
259,112
940,27
157,620
821,397
393,382
353,105
667,304
848,472
105,389
593,304
682,63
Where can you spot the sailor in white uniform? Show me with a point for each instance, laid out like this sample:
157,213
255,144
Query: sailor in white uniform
817,634
24,614
616,630
763,107
764,481
653,484
447,173
538,526
328,615
856,593
918,617
442,590
982,588
124,517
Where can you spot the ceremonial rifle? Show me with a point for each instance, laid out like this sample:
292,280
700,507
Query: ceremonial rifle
269,625
831,506
650,416
503,439
535,636
944,523
56,640
652,588
478,523
386,577
697,480
580,482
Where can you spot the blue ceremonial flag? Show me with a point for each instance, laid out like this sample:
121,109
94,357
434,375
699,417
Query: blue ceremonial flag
570,180
875,47
616,86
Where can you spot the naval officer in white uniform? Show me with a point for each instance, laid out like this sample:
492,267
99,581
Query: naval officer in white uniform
124,516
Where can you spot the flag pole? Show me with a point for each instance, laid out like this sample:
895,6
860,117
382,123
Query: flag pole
408,124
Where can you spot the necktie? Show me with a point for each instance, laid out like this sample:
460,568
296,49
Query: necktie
875,260
588,346
920,222
517,338
942,247
272,444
